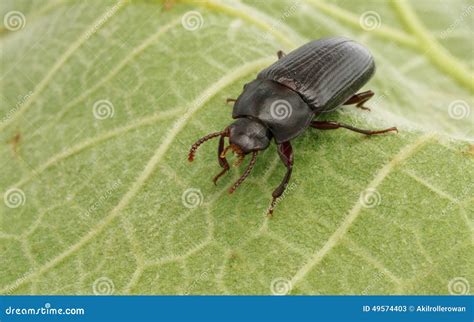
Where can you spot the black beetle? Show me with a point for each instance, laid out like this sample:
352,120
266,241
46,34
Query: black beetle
286,97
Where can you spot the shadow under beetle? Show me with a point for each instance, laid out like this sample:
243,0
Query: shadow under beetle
286,97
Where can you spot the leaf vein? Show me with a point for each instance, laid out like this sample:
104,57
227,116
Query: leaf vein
317,257
150,166
104,18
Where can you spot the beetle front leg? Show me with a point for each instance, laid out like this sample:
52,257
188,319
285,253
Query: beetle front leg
331,125
222,160
286,155
280,54
359,99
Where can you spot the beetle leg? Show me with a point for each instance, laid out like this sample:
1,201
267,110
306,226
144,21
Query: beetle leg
280,54
222,160
286,155
331,125
359,99
230,100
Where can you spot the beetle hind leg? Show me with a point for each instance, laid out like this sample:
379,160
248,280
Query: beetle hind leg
359,99
331,125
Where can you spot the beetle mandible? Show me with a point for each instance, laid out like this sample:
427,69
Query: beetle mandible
285,98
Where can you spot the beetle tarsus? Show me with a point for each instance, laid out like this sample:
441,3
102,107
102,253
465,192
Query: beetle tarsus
220,174
359,99
272,206
362,107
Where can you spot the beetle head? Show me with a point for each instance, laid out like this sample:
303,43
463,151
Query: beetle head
247,135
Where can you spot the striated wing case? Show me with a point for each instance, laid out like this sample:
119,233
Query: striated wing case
325,72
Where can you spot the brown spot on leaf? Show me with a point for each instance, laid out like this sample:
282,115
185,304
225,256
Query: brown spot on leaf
168,4
470,150
15,141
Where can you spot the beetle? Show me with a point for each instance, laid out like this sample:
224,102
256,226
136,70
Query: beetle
286,97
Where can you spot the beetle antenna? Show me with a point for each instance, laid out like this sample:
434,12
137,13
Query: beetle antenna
196,145
246,173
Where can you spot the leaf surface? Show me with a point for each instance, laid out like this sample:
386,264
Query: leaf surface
106,202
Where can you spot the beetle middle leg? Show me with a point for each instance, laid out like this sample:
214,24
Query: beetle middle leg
331,125
285,151
359,99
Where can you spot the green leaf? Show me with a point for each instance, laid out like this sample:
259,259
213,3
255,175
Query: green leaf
100,102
